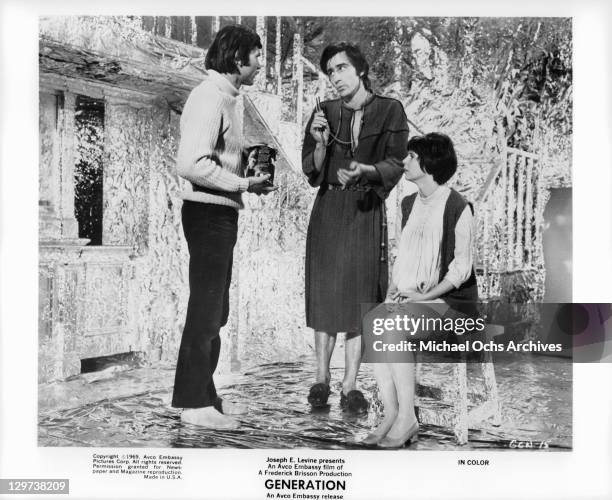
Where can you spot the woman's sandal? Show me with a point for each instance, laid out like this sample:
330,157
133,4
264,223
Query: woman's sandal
372,439
409,437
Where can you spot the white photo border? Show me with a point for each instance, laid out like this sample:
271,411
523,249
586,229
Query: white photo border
212,473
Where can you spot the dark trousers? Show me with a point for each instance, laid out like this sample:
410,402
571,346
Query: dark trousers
210,231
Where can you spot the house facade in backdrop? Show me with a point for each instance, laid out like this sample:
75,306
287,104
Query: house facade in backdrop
113,262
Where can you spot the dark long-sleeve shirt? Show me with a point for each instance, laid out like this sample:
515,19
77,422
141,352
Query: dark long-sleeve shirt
382,143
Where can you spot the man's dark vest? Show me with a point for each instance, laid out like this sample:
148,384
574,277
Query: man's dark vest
468,291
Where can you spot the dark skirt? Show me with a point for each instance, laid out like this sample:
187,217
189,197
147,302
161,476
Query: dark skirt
344,267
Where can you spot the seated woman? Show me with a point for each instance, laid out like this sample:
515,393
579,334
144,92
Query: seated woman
434,263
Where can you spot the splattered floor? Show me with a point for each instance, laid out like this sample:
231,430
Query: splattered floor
130,408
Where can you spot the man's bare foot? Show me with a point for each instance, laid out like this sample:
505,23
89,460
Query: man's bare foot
228,407
208,417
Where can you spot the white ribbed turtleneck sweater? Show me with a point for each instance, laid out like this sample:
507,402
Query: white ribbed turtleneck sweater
210,149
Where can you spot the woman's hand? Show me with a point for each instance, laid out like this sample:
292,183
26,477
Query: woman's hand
413,297
319,129
392,296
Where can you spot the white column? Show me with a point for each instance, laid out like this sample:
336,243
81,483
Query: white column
505,200
486,251
540,194
66,135
262,31
298,75
529,212
397,50
277,61
194,31
467,61
168,27
49,166
511,208
520,213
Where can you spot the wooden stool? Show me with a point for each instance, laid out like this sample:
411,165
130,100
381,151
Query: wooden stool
442,396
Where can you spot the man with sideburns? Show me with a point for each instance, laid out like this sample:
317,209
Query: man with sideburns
211,157
352,152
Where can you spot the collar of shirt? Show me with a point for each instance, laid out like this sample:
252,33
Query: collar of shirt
440,192
223,83
360,103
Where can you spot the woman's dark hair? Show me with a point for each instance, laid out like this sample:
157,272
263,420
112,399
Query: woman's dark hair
354,55
232,43
436,155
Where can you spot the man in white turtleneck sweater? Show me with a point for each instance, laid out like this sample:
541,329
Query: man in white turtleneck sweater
210,157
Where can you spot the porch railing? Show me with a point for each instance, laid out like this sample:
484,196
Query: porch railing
509,219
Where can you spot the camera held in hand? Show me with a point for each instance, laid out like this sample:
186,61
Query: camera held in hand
262,162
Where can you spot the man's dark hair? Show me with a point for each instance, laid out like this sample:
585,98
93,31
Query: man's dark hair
232,43
436,155
353,54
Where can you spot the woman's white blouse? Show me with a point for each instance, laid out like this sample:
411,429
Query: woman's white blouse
417,267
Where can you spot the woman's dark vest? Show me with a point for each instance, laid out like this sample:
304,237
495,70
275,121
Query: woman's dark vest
455,205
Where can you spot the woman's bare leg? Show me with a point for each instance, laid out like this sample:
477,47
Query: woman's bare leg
388,395
403,375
